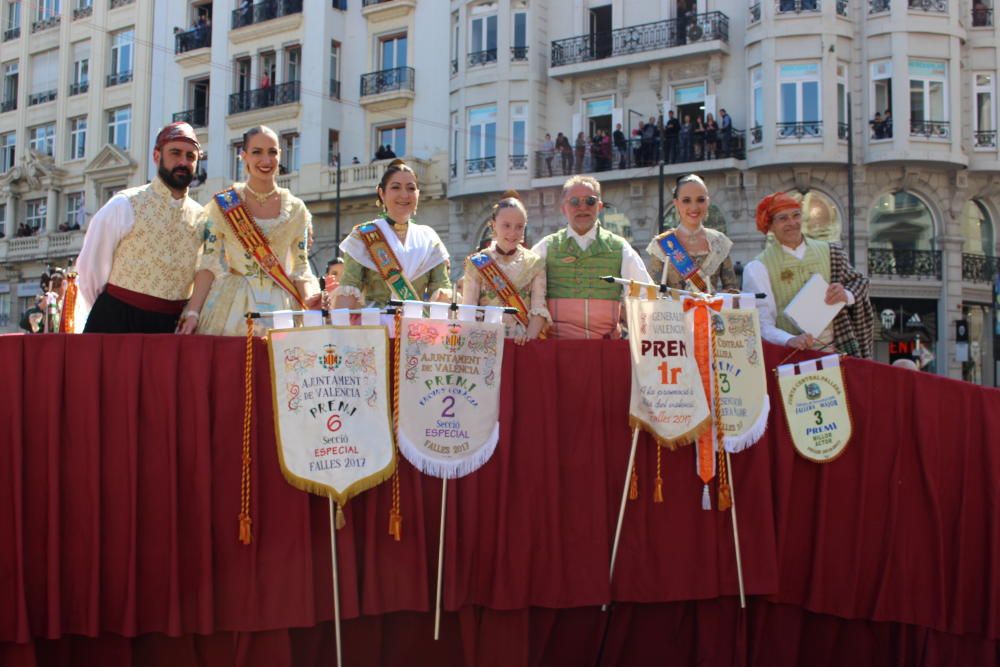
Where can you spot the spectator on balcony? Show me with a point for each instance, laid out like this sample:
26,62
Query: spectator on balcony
389,153
355,160
265,80
512,265
782,269
980,14
231,281
141,250
649,142
887,123
699,138
379,153
671,132
548,151
686,139
414,261
726,132
581,152
878,126
575,257
565,152
711,138
605,150
621,145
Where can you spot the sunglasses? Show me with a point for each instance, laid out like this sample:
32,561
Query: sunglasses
588,201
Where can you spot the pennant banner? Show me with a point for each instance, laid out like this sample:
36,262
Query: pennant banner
332,418
668,399
449,393
739,371
819,418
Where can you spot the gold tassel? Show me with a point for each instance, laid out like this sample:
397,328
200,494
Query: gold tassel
340,521
658,487
245,478
396,525
725,498
633,487
395,510
245,525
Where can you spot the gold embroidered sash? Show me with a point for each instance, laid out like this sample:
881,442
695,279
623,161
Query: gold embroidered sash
386,262
491,272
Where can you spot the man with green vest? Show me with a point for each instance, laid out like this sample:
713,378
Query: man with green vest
582,305
785,265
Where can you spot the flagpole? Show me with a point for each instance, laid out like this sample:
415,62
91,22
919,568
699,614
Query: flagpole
621,509
437,603
736,532
336,588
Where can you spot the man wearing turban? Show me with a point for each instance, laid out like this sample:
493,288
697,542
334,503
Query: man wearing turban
785,265
139,256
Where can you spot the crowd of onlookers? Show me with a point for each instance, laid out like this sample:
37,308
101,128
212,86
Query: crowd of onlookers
881,125
671,140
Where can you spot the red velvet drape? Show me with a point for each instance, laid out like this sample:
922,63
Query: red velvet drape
119,491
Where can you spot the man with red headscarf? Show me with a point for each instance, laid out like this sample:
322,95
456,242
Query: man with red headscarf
785,265
141,250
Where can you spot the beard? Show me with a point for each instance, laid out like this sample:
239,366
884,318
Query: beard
178,178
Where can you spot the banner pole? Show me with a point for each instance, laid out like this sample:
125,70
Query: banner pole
736,533
437,603
336,587
621,509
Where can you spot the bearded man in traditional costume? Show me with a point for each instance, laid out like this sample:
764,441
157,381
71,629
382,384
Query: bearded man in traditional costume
784,267
576,257
141,251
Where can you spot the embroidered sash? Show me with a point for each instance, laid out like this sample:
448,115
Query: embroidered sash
386,262
491,272
254,241
681,260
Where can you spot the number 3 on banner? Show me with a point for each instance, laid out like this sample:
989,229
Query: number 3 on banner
724,383
449,409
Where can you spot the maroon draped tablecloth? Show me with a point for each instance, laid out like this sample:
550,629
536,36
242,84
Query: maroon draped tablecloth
120,489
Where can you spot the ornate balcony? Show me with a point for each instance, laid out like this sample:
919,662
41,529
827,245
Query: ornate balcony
812,129
481,165
199,38
519,53
83,12
41,98
115,4
481,57
265,11
11,33
985,139
518,163
979,268
248,100
8,105
878,6
79,88
841,7
637,39
754,14
798,6
387,80
756,135
194,117
904,263
930,129
118,78
938,6
46,23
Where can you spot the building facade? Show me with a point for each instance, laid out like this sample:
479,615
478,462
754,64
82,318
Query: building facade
74,122
800,80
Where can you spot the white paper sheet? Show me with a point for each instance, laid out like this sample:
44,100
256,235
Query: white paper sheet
809,309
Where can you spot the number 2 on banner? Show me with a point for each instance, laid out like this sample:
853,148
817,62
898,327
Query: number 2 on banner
449,408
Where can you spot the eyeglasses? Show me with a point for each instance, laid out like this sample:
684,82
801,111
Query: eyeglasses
588,201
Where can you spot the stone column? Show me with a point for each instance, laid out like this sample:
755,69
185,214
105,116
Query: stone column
52,210
11,212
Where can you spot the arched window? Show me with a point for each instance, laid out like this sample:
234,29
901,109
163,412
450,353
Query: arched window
901,221
977,229
820,216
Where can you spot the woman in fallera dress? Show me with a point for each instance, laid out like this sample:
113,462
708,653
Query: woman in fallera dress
518,265
411,260
230,282
707,248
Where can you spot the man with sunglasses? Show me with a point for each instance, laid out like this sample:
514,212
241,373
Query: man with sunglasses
580,303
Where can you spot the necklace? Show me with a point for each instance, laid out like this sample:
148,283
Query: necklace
505,253
261,197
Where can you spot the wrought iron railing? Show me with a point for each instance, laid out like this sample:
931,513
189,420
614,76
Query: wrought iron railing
985,138
939,6
82,12
340,4
842,131
754,13
982,16
904,262
387,80
261,98
369,3
801,130
518,163
841,7
453,170
46,23
481,57
120,3
197,117
798,6
756,135
8,105
198,38
264,11
119,78
878,6
979,268
41,98
334,89
481,165
937,129
646,37
454,66
519,53
636,153
11,33
79,87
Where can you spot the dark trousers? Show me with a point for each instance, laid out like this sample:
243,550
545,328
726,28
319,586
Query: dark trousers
111,315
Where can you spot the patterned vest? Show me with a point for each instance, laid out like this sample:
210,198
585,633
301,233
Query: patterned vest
789,274
573,273
159,255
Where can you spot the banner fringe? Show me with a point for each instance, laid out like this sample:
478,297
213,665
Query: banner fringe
737,443
448,469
